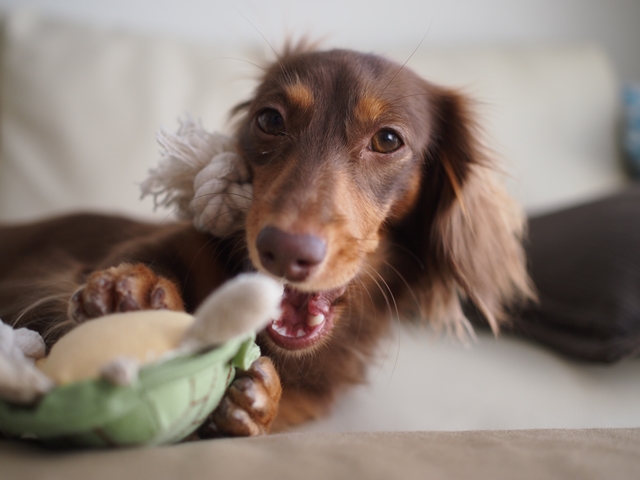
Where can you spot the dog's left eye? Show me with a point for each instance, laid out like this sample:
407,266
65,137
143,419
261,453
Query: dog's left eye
270,121
385,141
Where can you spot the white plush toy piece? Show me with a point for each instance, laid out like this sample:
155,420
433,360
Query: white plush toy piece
202,176
20,380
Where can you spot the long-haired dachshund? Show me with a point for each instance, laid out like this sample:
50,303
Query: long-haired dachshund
373,199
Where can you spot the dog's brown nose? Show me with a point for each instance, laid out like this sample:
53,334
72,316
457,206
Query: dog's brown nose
290,255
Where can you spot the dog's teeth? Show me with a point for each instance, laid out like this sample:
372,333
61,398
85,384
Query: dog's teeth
281,329
300,333
315,320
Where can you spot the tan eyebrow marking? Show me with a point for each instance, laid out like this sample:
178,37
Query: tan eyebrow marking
369,109
300,95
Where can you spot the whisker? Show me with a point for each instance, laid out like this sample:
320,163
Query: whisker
58,327
195,257
406,284
397,99
397,322
259,33
384,294
61,297
386,285
236,59
237,247
218,216
386,354
412,254
410,56
375,313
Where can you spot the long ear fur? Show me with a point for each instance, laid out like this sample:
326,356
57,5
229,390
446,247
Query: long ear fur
471,230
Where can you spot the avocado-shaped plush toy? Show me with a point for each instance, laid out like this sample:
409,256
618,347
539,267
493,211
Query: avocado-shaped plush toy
137,378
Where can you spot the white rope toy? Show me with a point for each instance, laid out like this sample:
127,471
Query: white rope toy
202,175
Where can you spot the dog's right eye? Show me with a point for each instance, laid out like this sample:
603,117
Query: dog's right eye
385,141
270,122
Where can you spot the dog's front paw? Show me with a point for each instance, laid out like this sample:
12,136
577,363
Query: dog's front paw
124,288
249,405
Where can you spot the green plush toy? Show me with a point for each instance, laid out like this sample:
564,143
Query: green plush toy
138,378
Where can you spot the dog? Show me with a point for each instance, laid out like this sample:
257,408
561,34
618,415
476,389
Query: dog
373,199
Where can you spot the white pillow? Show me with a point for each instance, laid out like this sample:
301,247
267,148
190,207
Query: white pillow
550,114
81,107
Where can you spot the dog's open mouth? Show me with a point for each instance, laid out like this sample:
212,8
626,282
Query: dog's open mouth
306,318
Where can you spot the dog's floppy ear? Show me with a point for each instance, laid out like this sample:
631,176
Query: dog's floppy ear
471,230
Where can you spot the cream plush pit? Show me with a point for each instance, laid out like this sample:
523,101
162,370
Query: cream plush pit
142,336
241,305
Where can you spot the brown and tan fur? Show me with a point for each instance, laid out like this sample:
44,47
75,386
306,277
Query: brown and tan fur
423,227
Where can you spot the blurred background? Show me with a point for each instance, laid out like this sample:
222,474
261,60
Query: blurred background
374,24
86,84
548,77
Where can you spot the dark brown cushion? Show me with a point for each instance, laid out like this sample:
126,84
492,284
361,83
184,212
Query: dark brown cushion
585,263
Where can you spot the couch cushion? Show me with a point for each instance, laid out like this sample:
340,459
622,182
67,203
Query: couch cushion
533,454
550,115
585,263
80,108
81,105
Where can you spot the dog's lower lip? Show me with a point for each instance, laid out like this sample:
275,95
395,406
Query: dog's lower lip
306,318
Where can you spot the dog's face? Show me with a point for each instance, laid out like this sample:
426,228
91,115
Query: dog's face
338,143
335,144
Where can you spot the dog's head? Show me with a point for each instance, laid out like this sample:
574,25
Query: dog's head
363,173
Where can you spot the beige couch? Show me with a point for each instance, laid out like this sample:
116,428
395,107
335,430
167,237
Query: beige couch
78,114
503,455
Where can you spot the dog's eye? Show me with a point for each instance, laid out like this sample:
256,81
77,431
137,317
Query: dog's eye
270,122
385,141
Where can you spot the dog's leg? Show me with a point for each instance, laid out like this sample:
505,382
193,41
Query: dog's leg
124,288
249,405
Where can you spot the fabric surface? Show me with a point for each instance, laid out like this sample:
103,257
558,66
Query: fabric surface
585,263
81,105
533,454
550,115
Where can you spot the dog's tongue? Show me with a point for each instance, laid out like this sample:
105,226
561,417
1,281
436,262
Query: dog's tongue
305,317
314,303
302,312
